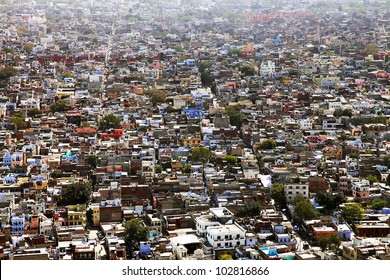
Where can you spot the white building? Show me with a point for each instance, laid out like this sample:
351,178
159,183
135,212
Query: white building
29,104
203,222
293,190
267,68
226,236
306,124
329,123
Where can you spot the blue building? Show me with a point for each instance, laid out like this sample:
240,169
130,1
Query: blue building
194,113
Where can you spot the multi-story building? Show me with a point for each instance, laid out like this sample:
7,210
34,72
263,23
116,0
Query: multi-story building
267,68
361,190
17,224
293,190
225,236
76,215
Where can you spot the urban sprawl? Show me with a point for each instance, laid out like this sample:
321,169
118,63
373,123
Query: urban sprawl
194,130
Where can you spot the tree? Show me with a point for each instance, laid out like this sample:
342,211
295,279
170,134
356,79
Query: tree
59,106
371,49
248,70
156,95
268,144
342,113
234,53
203,66
34,112
135,232
329,201
8,72
386,161
67,74
231,160
28,47
328,242
235,116
110,121
201,154
225,257
278,194
353,155
303,209
206,79
352,212
378,204
187,169
76,193
91,160
158,169
8,50
250,209
19,122
372,179
334,241
323,242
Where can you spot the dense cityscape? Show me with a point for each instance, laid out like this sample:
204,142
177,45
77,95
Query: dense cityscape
194,130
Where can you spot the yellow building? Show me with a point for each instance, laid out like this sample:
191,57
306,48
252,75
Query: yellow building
95,214
76,215
333,152
191,140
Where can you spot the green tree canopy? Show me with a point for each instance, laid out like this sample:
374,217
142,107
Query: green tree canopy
303,209
230,159
234,53
135,232
378,204
206,79
59,106
158,169
329,242
329,201
34,112
200,154
8,72
156,95
18,122
372,179
371,49
250,209
235,116
268,144
91,160
28,47
343,113
203,66
110,121
248,70
352,212
187,169
386,161
278,195
77,193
